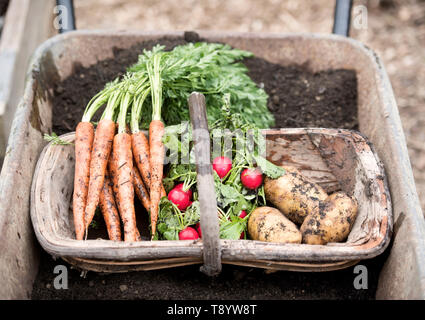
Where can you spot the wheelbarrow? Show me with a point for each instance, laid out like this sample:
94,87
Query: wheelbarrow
377,114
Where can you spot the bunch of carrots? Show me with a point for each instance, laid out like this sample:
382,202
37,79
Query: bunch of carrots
105,174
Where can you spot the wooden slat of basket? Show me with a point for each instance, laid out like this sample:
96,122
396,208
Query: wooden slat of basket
302,154
293,266
120,266
158,264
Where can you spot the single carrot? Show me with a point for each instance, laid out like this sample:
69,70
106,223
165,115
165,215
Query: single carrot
99,159
139,142
113,174
156,131
109,211
122,164
83,144
141,191
141,152
125,194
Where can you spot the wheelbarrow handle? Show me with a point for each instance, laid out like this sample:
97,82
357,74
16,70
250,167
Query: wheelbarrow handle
205,185
68,15
342,17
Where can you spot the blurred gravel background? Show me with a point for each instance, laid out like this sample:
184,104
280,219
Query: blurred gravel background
395,30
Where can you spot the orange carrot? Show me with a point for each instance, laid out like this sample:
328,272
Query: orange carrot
140,147
140,189
156,131
109,211
99,159
124,175
113,175
83,145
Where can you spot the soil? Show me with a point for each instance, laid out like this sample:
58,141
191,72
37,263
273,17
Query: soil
298,98
188,283
301,98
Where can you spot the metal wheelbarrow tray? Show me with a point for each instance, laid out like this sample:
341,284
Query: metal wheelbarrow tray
403,275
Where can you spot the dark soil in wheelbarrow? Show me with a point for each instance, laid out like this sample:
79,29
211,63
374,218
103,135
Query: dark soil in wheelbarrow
298,98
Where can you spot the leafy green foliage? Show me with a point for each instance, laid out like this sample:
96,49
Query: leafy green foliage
54,139
268,168
171,220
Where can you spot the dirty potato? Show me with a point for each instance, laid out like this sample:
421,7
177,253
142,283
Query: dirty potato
332,222
269,224
293,195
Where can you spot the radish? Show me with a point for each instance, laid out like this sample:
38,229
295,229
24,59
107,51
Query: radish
179,198
198,229
188,234
188,191
252,178
222,166
242,214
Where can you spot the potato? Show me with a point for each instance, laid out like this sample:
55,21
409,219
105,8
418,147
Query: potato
332,222
269,224
293,195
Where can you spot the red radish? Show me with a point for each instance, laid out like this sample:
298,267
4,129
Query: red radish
222,166
198,229
179,198
242,215
188,234
252,178
188,191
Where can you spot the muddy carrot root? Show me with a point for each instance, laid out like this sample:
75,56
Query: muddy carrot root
113,174
141,191
156,131
109,211
141,152
99,158
84,135
140,147
123,158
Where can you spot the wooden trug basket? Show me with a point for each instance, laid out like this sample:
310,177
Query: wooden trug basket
335,159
